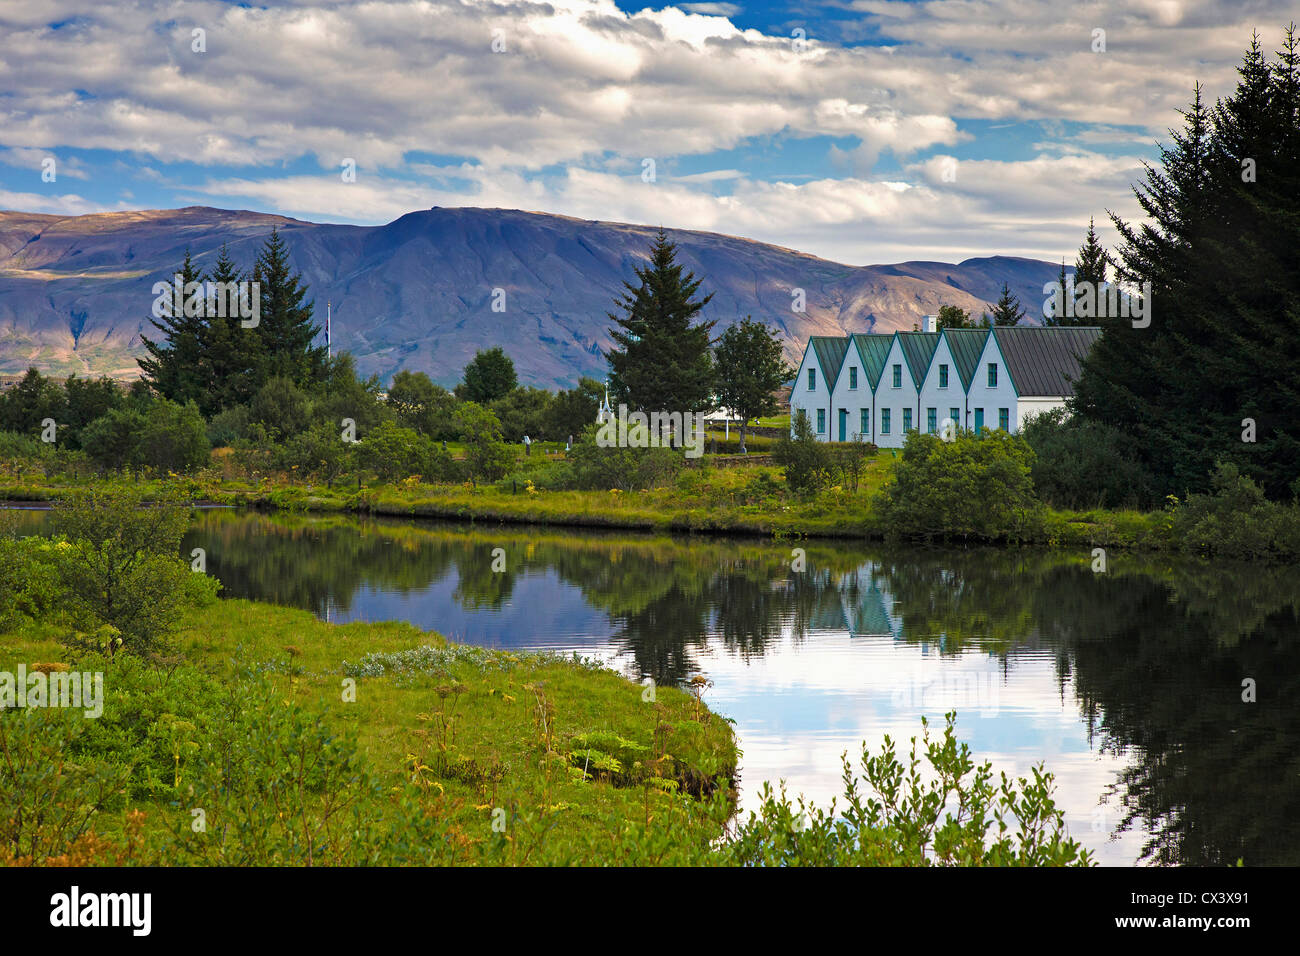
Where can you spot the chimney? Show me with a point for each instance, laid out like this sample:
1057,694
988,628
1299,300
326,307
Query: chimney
930,323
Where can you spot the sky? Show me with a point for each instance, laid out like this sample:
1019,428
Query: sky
862,131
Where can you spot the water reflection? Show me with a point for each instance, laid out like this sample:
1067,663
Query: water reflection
1129,684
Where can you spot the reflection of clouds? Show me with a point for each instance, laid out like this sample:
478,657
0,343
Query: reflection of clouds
798,708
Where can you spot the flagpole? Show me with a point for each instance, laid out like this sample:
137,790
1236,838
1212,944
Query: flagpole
329,310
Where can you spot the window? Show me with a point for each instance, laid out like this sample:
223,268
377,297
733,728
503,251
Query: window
865,422
932,420
993,374
979,420
907,420
812,379
898,376
821,421
884,421
943,376
955,415
853,377
1004,419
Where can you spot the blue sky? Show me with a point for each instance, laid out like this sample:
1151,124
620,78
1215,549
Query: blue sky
884,131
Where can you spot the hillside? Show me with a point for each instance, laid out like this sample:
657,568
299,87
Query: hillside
75,291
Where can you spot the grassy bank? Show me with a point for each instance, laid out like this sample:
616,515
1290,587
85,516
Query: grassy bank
442,753
747,500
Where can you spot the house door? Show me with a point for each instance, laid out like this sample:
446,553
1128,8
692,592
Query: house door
844,424
979,420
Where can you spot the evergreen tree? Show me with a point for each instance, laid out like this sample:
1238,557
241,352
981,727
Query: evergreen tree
1008,310
1090,265
1054,314
1222,253
229,353
662,362
285,331
172,362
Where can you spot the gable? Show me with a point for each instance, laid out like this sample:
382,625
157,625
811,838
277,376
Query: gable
966,346
830,351
873,350
918,349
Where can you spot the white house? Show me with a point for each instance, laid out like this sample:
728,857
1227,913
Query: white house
878,387
816,379
898,393
948,379
853,398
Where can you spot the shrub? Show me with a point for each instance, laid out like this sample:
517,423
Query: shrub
974,486
627,469
951,814
1235,520
121,568
1085,464
806,461
487,457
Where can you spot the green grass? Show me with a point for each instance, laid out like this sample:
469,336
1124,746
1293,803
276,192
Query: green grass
468,731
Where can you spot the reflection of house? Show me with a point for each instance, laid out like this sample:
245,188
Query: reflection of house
879,387
854,603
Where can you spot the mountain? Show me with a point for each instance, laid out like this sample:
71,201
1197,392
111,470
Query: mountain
417,293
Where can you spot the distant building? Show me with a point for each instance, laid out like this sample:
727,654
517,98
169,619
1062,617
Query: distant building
878,387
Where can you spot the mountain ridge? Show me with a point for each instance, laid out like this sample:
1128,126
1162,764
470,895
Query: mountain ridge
417,292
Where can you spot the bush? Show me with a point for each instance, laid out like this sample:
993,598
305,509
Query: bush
393,452
121,569
1084,464
228,426
976,486
627,469
950,814
487,457
1235,520
806,461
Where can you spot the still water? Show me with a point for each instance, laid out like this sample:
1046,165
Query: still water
1128,685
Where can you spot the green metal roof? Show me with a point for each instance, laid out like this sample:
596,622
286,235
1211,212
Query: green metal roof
830,351
966,346
918,349
873,348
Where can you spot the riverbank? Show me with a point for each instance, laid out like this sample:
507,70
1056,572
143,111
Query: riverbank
435,752
737,501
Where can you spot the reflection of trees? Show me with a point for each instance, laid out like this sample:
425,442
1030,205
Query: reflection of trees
1156,653
1158,665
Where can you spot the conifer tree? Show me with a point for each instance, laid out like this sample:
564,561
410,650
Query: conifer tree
662,362
171,363
285,331
1007,311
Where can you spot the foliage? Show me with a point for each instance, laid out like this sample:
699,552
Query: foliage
750,368
524,411
487,457
393,452
1007,310
806,461
1219,244
489,376
422,405
601,469
573,409
1085,464
947,812
974,486
662,361
120,567
1235,520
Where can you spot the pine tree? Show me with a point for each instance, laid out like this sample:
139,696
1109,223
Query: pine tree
1054,314
171,365
662,362
1090,265
228,352
1007,311
285,332
1222,253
